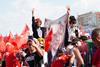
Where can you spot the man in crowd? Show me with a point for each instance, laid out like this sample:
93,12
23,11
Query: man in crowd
96,41
34,54
38,31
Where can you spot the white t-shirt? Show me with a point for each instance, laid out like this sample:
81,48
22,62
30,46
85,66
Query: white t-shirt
71,32
39,32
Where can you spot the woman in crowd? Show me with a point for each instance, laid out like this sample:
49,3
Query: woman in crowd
73,35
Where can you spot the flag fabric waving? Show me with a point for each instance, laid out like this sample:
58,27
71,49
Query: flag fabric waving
2,46
24,36
58,26
25,30
48,40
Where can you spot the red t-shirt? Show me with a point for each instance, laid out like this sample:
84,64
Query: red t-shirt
96,58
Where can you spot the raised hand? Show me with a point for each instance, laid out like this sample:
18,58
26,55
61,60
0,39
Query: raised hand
33,12
34,44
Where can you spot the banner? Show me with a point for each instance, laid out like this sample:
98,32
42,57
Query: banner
58,26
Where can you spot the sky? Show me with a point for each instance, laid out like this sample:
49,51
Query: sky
14,14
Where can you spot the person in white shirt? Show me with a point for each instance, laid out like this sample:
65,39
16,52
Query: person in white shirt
73,30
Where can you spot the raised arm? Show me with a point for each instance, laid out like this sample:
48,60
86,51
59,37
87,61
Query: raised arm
33,12
33,21
33,18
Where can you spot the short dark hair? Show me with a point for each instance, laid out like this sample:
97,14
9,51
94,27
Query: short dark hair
72,20
75,41
83,38
30,37
95,33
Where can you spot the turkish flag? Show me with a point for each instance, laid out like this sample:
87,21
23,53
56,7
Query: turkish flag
2,46
48,40
21,39
25,30
9,38
24,36
1,37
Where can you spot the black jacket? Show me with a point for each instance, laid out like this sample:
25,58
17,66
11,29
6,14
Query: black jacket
34,29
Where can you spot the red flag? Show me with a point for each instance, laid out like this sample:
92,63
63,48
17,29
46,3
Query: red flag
22,39
2,46
1,37
60,61
24,35
48,40
10,35
26,30
6,39
15,44
0,56
9,38
16,41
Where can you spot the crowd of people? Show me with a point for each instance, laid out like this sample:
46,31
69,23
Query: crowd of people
77,51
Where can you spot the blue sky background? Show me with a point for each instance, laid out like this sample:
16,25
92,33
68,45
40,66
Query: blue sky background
14,14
